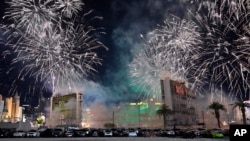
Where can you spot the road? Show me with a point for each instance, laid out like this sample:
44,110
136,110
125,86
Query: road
113,139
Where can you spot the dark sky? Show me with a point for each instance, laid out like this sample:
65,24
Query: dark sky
123,21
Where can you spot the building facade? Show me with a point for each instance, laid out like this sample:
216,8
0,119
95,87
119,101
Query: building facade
10,109
65,110
181,101
139,114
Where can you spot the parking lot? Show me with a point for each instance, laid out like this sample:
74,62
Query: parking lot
114,139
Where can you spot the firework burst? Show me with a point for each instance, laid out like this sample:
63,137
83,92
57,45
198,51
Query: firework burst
30,15
50,51
165,54
69,7
223,59
71,50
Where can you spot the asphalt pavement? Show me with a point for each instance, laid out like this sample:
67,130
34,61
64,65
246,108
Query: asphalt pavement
113,139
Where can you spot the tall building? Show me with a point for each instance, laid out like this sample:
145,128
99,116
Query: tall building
181,100
17,109
65,110
11,110
1,106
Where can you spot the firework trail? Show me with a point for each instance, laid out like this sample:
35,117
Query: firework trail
165,54
223,59
50,43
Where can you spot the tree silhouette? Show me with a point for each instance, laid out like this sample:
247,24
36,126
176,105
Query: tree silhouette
216,106
242,106
164,111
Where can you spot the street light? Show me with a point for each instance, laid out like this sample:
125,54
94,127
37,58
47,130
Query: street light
139,113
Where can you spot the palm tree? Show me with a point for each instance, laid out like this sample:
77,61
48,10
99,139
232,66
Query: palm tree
242,106
216,106
164,111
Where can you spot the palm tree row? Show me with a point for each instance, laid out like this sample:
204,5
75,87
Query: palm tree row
165,111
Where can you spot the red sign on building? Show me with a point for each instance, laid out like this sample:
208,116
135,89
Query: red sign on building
179,89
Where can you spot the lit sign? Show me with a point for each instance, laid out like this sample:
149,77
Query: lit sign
179,89
139,103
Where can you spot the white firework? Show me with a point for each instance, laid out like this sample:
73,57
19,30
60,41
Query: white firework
165,54
28,15
180,40
72,50
55,54
223,60
69,8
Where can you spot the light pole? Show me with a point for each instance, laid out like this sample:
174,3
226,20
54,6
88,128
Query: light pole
113,114
203,119
139,112
113,118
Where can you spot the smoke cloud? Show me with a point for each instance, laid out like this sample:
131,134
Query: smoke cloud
125,21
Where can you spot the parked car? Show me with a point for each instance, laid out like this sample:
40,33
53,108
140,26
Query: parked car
120,132
188,134
167,133
143,133
46,133
81,132
19,133
132,133
69,133
217,135
58,132
107,133
33,133
212,134
95,133
5,133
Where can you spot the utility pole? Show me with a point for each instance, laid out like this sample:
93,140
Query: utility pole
139,114
203,119
113,118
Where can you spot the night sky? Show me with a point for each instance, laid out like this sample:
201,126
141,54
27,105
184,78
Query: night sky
123,22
